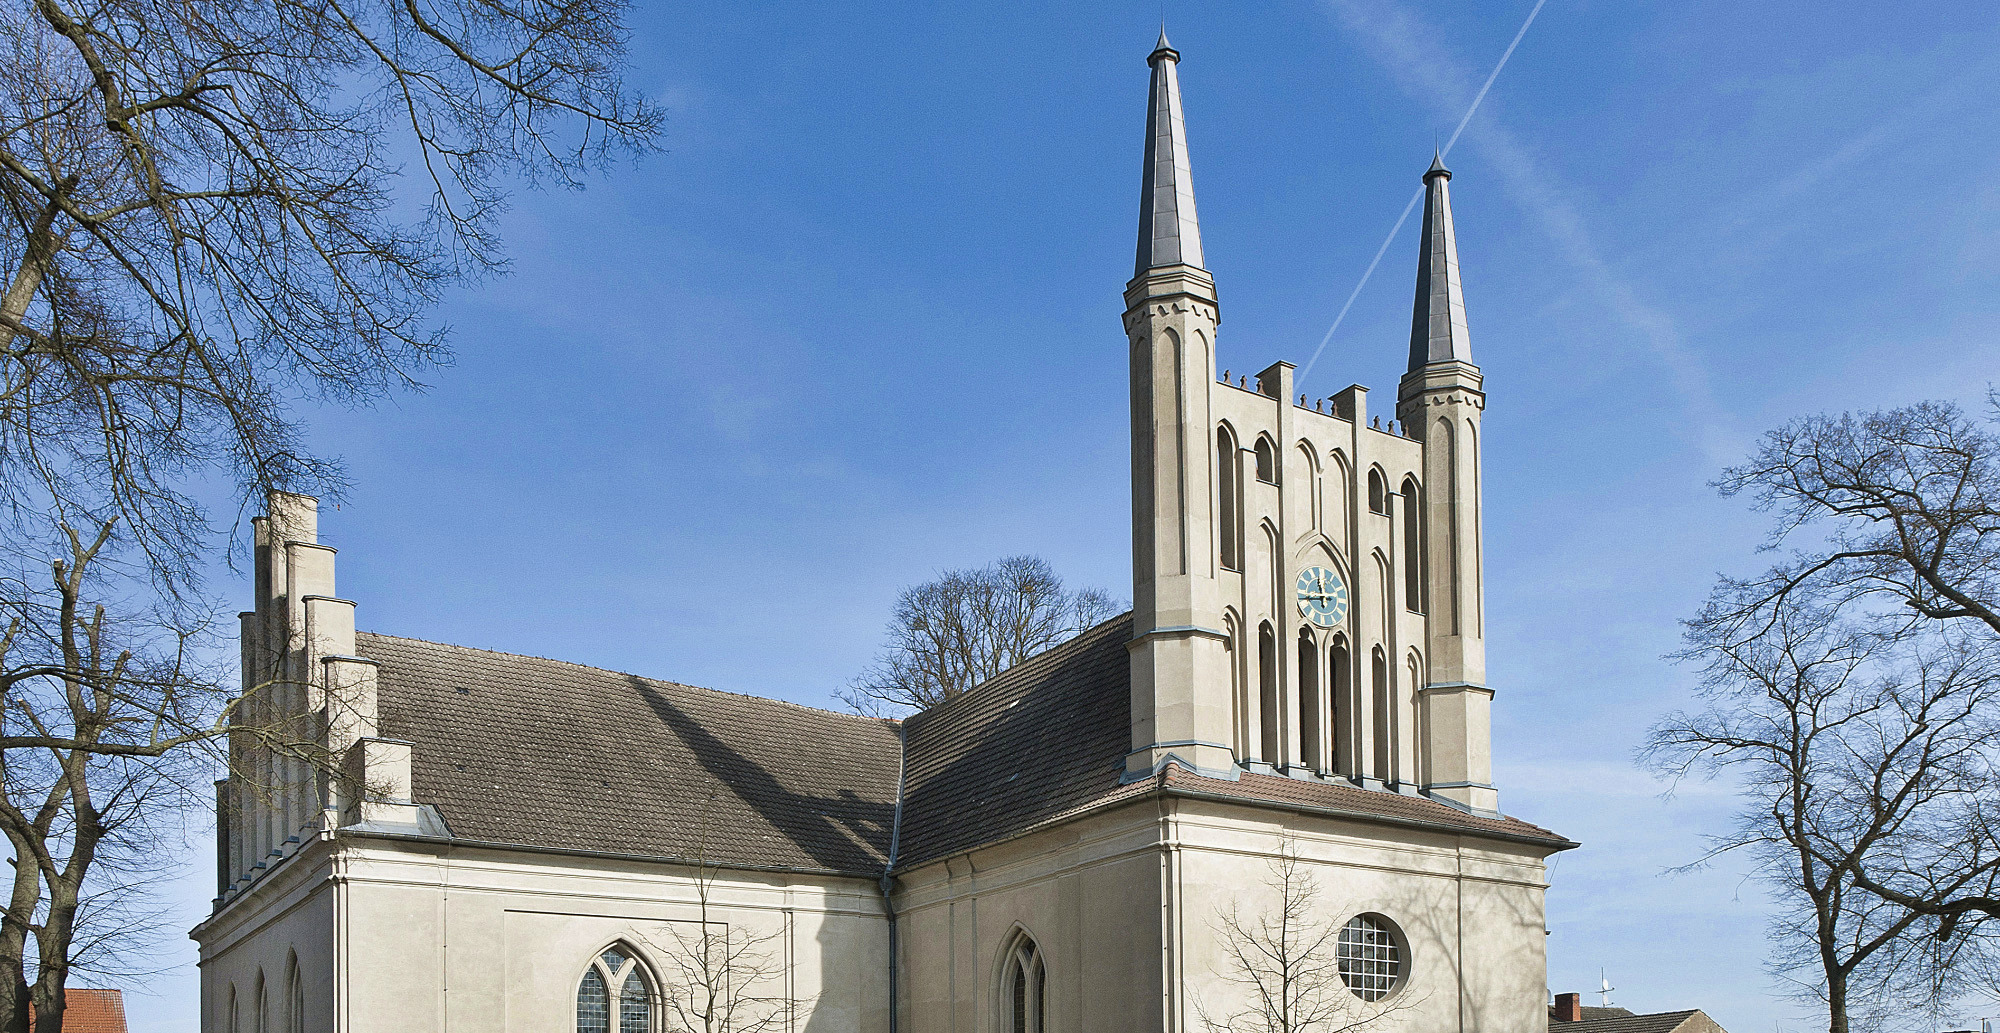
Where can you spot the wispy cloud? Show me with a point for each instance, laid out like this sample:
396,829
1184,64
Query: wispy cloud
1413,53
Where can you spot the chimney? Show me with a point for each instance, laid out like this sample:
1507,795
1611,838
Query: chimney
1569,1008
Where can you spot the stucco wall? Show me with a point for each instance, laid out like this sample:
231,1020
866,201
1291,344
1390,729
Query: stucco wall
438,939
290,913
1089,894
1469,909
1126,908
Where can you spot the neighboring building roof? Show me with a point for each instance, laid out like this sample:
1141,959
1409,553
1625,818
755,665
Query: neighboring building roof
90,1011
520,750
541,753
1618,1020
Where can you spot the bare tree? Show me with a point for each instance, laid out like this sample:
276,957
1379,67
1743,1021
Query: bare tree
1850,691
966,626
202,224
716,978
101,711
203,227
1287,967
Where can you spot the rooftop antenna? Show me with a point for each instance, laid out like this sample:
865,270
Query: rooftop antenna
1604,989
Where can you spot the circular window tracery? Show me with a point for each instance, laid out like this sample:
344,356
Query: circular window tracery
1370,957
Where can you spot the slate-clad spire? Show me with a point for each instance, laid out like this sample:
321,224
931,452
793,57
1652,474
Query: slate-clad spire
1168,233
1437,329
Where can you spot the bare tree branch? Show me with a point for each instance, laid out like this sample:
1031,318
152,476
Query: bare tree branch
966,626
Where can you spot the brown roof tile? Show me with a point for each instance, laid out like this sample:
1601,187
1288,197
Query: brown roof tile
1048,738
90,1011
517,749
1689,1021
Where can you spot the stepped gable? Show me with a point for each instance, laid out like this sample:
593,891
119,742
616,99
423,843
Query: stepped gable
1047,739
541,753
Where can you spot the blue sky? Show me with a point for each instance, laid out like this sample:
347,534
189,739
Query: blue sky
860,323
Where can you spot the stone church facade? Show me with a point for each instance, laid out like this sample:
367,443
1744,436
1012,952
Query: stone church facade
489,842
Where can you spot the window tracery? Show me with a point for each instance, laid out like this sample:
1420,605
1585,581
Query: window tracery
1023,980
614,995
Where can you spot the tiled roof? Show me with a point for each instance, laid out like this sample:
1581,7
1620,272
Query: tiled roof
1690,1021
1049,737
1043,740
90,1011
514,749
521,750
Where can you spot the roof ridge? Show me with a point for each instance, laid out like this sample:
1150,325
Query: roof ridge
1044,656
629,674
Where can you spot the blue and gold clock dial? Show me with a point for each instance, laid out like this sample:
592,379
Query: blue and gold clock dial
1322,596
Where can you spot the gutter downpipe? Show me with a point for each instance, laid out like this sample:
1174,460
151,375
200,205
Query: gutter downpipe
888,883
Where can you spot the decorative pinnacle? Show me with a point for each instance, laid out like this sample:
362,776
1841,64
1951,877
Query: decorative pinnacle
1437,327
1169,233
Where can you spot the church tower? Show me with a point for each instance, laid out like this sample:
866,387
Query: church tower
1440,402
1306,581
1179,672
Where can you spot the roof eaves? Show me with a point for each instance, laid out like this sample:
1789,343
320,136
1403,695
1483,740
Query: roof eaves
606,855
1351,814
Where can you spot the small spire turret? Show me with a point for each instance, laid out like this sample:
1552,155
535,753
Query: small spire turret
1438,332
1168,231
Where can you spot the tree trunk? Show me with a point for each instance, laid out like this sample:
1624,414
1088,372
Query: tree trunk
34,263
1836,1002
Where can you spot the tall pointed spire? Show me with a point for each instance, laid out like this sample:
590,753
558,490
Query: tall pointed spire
1168,232
1437,328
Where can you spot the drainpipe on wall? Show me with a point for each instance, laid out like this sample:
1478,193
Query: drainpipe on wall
888,883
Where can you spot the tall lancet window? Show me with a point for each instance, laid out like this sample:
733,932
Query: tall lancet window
1413,554
1309,752
1381,715
1378,492
1239,697
1267,461
613,996
1267,696
295,999
1023,978
1338,705
1228,510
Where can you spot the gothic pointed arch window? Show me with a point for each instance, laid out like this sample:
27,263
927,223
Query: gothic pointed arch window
614,995
1378,491
1309,708
295,998
260,1010
235,1018
1413,554
1267,460
1267,695
1382,728
1228,501
1023,980
1239,700
1338,705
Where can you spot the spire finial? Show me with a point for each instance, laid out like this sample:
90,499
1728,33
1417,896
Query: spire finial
1437,328
1169,233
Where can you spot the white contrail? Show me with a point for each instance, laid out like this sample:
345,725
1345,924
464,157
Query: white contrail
1419,195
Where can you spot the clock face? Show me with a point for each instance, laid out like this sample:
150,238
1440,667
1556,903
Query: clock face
1322,596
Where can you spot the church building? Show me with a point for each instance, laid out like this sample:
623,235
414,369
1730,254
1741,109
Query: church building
477,842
